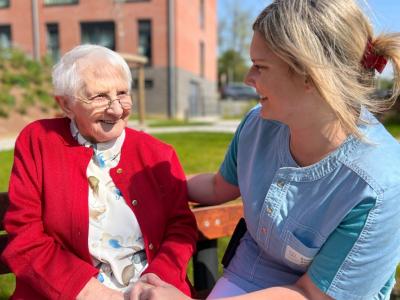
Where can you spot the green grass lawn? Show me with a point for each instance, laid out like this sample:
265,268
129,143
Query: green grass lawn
6,160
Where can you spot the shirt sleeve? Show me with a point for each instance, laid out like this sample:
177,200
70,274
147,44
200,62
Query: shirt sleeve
228,168
359,258
34,256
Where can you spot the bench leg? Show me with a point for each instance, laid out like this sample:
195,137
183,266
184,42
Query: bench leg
205,265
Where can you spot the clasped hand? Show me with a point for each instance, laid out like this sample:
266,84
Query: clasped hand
151,287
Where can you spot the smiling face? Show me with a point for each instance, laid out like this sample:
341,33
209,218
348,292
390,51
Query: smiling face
283,93
98,124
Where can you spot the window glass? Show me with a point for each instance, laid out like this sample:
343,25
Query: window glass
60,2
5,36
99,33
202,58
122,1
202,14
4,3
53,41
144,41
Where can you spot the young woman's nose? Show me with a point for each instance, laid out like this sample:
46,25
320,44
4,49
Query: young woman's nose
249,78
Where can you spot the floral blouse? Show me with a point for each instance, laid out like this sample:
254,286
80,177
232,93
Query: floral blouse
115,239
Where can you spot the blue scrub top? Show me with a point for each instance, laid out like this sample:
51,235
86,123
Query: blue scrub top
338,219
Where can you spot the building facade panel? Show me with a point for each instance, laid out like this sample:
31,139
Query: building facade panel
182,72
19,16
196,58
190,33
156,91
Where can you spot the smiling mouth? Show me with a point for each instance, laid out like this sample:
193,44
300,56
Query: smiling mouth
262,99
108,122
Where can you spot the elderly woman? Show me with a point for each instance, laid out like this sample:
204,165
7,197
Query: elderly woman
95,205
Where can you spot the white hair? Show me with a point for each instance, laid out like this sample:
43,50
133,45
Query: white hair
67,80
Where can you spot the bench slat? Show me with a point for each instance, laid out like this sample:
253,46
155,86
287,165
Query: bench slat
217,221
3,242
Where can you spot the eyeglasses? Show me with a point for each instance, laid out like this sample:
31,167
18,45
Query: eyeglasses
104,101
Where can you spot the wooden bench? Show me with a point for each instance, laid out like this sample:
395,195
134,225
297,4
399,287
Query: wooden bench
213,222
3,237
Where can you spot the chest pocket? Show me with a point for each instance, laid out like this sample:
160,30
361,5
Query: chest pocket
295,254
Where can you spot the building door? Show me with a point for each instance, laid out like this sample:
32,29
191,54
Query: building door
195,107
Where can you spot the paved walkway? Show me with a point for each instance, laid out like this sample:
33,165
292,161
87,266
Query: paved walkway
218,126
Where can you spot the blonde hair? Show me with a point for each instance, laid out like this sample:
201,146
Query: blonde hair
325,40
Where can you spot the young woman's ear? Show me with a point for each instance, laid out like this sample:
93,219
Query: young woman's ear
65,105
308,83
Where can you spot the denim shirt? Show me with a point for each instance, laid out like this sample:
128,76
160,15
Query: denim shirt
338,219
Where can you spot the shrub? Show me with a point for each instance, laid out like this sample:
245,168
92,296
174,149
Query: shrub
29,80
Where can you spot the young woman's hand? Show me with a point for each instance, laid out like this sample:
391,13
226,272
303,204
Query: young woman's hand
156,289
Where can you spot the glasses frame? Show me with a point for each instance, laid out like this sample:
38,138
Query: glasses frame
90,101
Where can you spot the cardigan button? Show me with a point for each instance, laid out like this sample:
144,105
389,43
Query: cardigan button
119,171
151,247
134,202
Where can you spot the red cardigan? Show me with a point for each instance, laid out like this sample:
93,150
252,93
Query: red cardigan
48,217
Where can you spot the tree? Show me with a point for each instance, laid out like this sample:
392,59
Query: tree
234,35
231,67
234,28
385,83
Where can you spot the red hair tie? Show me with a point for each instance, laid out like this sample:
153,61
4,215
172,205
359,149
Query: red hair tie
371,60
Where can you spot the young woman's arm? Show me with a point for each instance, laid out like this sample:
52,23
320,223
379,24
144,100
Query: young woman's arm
211,189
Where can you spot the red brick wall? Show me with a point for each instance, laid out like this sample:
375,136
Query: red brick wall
125,17
19,16
189,34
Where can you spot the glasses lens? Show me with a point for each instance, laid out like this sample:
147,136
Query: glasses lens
100,102
125,101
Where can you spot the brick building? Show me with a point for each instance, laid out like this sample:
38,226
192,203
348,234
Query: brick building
179,38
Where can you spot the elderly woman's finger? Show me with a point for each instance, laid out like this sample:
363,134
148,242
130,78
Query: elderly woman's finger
153,279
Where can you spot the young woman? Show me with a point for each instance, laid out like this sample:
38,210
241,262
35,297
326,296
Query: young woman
318,174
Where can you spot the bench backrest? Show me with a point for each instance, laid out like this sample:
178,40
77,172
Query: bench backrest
3,236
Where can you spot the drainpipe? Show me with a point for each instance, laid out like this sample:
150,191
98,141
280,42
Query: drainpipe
35,30
171,100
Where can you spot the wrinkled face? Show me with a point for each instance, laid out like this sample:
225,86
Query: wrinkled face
99,124
282,91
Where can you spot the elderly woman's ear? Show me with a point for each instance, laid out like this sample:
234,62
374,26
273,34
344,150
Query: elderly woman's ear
65,105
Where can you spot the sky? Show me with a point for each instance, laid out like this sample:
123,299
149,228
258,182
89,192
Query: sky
384,14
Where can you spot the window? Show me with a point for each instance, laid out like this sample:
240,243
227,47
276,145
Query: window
125,1
148,84
53,41
202,14
144,41
60,2
4,3
202,59
99,33
5,36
